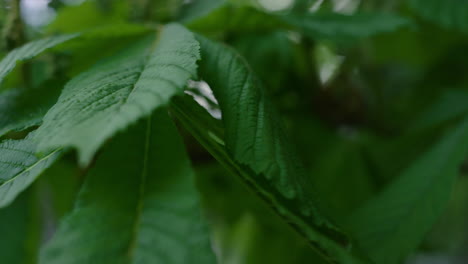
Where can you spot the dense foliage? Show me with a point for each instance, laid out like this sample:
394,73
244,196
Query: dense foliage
213,131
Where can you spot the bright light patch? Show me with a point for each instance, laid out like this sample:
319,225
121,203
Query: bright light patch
275,5
36,13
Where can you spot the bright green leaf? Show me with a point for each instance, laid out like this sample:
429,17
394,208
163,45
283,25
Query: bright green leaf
117,92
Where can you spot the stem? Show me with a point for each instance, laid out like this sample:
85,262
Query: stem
14,36
13,33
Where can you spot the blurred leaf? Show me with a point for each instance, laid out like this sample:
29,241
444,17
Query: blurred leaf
451,14
148,214
245,229
117,92
198,8
233,18
87,15
36,47
451,105
337,168
393,224
19,227
343,28
61,183
264,50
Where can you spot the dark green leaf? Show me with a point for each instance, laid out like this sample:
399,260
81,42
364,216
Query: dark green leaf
23,108
210,134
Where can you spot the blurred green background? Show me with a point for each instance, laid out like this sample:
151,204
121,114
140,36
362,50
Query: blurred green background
361,99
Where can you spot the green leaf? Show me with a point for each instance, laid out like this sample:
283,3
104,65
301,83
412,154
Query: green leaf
29,51
19,227
23,108
19,166
138,205
340,27
208,132
117,92
451,14
256,148
393,224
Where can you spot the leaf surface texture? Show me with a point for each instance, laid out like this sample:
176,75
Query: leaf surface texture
255,140
117,92
19,166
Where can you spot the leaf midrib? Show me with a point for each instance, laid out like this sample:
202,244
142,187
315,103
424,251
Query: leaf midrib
141,193
30,167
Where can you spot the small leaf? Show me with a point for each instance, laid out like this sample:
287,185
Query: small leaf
138,205
393,224
117,92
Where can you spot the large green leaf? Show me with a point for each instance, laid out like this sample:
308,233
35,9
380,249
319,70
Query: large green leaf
452,14
19,166
23,108
138,205
256,147
393,224
117,92
30,50
19,227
